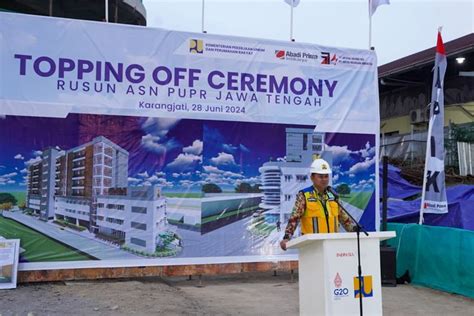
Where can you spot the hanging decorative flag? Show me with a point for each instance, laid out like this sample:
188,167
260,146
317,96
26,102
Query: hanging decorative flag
373,5
434,187
293,3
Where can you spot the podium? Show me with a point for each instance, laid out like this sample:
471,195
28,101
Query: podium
328,273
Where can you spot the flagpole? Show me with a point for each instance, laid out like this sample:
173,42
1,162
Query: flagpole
107,11
291,23
370,32
370,25
202,21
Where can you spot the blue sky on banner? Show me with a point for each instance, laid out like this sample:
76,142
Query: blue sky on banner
177,154
399,29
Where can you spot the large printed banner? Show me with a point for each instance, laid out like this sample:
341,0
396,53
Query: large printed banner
131,143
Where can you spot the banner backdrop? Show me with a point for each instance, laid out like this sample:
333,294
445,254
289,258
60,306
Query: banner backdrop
122,142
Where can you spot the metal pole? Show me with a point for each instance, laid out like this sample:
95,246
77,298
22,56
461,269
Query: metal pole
291,24
359,272
359,267
116,11
412,132
383,151
370,31
384,195
370,27
202,16
50,7
107,11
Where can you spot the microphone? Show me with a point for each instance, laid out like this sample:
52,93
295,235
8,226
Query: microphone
333,192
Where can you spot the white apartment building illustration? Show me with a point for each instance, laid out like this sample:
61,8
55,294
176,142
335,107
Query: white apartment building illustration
80,186
137,215
282,179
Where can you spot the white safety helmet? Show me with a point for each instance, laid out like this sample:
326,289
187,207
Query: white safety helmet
320,166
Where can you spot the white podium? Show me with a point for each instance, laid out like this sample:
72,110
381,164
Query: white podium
328,276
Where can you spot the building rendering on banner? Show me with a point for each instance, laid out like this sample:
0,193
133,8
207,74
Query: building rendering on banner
136,215
212,211
87,186
78,174
41,184
282,179
86,172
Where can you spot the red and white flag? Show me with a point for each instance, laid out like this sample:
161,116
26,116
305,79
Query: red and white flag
433,199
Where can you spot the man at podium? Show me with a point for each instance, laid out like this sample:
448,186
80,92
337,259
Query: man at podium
316,208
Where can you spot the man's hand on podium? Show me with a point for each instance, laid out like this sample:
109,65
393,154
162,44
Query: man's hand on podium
283,244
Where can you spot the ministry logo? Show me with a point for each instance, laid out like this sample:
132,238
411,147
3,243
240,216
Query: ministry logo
196,46
365,287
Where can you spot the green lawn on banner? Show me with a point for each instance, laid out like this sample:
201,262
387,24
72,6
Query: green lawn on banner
184,195
37,246
358,199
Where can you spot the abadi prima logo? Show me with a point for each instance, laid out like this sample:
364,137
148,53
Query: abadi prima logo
280,54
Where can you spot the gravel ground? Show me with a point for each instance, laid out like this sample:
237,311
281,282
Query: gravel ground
243,294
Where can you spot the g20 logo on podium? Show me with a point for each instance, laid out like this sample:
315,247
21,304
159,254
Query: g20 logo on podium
339,291
364,287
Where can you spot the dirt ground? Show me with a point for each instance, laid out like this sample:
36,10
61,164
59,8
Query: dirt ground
243,294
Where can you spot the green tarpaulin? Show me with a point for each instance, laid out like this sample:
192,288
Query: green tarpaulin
438,257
